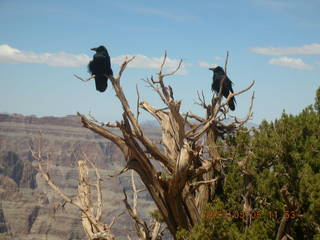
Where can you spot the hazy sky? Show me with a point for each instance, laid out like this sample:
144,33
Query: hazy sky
43,43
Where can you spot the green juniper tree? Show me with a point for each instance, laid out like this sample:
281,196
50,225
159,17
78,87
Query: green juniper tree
275,171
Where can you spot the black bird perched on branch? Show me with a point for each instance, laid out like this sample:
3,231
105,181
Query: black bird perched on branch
218,76
100,66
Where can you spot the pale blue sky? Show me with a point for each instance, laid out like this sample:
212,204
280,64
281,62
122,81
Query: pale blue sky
43,43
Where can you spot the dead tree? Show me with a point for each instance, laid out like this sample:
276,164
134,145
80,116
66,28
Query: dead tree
188,152
91,212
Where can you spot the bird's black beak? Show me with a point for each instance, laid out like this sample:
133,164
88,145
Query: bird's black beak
211,69
94,49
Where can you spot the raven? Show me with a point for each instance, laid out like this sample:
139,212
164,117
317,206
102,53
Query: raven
100,66
218,76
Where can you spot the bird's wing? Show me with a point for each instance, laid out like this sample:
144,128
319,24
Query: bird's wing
230,83
216,81
91,68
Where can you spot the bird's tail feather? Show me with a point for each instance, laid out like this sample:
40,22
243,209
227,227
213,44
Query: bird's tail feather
101,83
231,104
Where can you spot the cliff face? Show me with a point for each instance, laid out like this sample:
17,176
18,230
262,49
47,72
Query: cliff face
28,208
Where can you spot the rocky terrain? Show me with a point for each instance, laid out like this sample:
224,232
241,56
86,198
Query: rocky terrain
28,208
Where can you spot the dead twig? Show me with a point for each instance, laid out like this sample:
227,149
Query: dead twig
84,79
138,103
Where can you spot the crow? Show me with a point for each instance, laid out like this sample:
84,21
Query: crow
218,76
100,66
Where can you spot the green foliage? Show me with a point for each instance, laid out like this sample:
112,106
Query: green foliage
286,151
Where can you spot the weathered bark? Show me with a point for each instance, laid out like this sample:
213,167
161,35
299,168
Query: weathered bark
187,153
